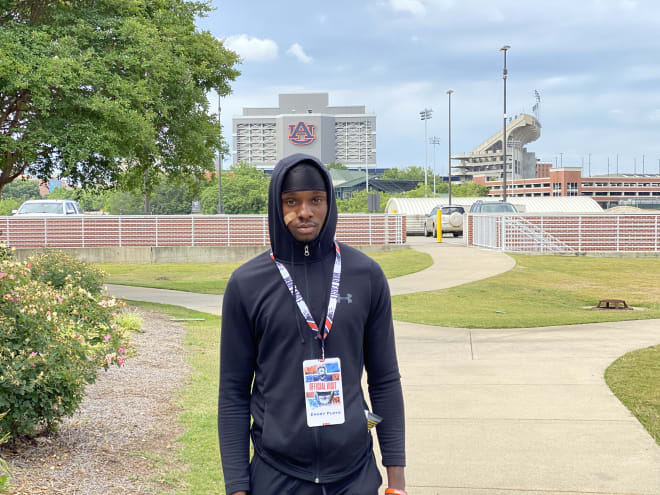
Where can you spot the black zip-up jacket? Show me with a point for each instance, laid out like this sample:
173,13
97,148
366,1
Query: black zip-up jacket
265,340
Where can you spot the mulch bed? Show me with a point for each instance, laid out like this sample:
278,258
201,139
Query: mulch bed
123,439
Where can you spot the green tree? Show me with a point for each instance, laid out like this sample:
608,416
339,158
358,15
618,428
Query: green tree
244,191
123,203
337,165
7,206
469,190
62,193
22,189
409,173
357,203
170,198
107,90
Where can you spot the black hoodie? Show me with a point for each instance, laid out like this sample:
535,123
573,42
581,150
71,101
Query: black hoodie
265,340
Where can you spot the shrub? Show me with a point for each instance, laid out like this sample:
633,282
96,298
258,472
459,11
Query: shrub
59,269
52,342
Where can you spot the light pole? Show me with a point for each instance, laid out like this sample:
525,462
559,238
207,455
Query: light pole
425,115
366,160
434,141
449,92
219,162
504,74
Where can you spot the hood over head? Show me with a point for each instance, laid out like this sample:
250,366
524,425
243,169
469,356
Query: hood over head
284,246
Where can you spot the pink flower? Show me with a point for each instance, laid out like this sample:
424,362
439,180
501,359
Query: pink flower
59,299
3,274
121,350
107,337
32,354
11,276
121,360
10,298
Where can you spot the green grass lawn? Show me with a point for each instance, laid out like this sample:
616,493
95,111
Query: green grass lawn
635,380
199,454
541,291
211,278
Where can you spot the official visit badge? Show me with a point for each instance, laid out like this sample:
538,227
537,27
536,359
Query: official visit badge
324,397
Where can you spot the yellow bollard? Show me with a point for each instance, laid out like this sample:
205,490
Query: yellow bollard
438,224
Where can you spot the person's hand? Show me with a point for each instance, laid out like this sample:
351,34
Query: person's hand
240,493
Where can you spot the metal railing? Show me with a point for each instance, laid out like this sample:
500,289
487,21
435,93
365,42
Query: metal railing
180,230
566,232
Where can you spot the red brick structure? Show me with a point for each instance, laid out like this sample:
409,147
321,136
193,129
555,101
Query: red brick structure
568,181
88,231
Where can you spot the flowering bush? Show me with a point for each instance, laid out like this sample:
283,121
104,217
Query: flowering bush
58,269
53,338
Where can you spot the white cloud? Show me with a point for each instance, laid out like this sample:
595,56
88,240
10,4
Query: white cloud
655,115
323,18
297,51
415,7
252,49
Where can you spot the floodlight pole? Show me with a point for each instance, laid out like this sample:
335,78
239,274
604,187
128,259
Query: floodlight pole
504,74
425,115
219,162
449,92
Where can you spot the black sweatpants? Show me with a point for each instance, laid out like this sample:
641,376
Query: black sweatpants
265,480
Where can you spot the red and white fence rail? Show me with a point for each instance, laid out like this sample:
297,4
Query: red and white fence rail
565,232
181,230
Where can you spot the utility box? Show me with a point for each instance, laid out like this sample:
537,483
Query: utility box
373,202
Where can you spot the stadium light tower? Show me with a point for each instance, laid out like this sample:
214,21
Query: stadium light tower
449,92
504,74
425,115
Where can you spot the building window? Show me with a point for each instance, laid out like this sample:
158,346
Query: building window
572,189
556,189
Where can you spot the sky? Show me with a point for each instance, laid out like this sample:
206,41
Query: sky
595,64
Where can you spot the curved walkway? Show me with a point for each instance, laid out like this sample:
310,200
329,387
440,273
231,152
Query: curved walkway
502,412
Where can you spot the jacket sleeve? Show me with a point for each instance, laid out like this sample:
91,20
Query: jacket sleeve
383,375
237,365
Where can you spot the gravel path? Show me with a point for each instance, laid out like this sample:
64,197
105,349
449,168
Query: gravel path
123,439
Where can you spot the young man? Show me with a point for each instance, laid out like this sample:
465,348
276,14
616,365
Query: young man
308,317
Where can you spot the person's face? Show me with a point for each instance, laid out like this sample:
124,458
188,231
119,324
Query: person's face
321,371
304,213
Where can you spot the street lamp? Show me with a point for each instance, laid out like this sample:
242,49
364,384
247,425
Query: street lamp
425,115
504,74
449,92
219,162
434,141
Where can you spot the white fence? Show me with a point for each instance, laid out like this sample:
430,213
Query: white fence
180,230
565,232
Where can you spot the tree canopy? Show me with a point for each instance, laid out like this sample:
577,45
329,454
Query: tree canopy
105,90
244,190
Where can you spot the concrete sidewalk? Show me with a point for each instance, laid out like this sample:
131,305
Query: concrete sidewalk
523,411
501,412
452,265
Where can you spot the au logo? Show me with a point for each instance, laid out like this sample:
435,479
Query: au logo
302,133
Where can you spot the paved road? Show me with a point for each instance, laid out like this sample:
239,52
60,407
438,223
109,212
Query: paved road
517,411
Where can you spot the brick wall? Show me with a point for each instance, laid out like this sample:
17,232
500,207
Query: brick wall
196,230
